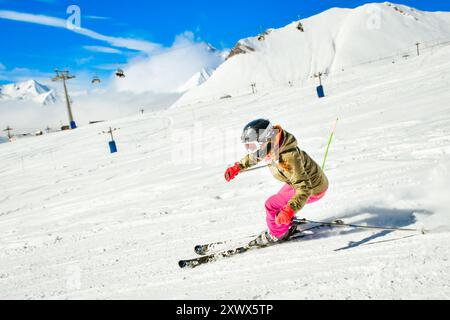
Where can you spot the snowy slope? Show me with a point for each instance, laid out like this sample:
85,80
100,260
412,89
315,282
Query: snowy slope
196,80
30,90
77,222
333,40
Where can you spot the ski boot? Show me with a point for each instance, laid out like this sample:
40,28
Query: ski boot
264,239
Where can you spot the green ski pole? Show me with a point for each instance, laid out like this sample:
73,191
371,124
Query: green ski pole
329,144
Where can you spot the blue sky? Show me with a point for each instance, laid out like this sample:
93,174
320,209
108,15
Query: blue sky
34,50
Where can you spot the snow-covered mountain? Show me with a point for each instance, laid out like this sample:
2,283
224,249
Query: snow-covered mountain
328,42
30,90
196,80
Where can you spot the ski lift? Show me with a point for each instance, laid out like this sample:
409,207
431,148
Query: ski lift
120,73
96,80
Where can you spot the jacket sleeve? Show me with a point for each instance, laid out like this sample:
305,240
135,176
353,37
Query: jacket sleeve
248,162
299,179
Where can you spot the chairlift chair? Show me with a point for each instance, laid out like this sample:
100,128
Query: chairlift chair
120,73
96,80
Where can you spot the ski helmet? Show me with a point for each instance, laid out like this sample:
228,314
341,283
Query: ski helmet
257,135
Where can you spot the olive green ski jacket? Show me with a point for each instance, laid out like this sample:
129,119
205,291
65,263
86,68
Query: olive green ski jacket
294,167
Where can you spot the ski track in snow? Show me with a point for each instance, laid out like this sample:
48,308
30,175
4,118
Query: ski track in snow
76,222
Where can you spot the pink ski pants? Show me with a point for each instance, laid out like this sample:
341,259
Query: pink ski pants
276,202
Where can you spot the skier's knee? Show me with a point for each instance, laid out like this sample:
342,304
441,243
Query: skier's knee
271,204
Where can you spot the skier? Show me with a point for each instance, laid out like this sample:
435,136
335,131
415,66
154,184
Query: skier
305,182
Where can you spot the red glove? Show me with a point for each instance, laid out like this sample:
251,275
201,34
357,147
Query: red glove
232,172
285,216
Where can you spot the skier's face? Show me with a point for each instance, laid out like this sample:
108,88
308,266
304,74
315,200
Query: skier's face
253,147
260,150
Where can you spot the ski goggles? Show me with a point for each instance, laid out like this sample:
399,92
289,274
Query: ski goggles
253,147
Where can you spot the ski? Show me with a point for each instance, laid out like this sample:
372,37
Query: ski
206,249
193,263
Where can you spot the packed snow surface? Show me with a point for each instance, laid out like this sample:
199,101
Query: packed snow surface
77,222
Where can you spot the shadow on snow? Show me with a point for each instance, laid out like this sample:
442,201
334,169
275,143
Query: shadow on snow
372,216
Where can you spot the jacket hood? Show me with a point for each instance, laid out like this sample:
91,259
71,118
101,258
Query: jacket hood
285,142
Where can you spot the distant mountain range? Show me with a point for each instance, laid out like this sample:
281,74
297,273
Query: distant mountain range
30,90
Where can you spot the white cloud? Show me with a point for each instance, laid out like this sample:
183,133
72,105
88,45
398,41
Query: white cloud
108,67
102,49
33,18
170,68
29,117
156,69
128,43
82,61
97,18
133,44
